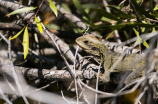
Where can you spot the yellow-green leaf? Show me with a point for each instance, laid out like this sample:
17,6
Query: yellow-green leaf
156,7
143,29
138,41
106,19
66,7
145,44
25,9
136,32
53,7
39,25
16,35
25,42
153,29
109,35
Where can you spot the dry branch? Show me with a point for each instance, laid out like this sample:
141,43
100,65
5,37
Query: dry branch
45,74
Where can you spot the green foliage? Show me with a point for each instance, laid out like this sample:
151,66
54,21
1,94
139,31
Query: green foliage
66,7
108,15
79,8
142,12
120,13
53,7
118,17
17,34
25,9
139,40
39,25
25,42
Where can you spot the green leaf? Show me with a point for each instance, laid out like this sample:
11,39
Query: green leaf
122,27
25,9
122,14
106,19
79,8
156,7
151,5
155,14
53,7
66,7
145,44
109,35
25,42
143,29
90,6
136,32
16,35
126,34
138,41
137,25
141,10
108,15
153,29
53,26
39,25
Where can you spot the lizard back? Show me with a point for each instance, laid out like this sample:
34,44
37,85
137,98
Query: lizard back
93,46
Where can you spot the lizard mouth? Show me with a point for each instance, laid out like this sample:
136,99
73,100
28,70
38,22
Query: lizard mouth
81,44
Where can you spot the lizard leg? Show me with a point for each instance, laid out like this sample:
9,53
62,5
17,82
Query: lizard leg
135,75
105,77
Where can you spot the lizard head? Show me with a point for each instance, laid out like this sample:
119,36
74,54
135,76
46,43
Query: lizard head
90,44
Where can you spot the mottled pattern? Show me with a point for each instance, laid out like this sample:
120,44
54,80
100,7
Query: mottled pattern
133,62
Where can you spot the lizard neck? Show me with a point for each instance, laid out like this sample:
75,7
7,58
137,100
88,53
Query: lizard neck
103,52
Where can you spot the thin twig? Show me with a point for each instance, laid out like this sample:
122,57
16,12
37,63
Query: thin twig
75,74
13,70
4,97
96,95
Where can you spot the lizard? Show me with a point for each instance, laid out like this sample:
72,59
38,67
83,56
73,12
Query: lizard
129,62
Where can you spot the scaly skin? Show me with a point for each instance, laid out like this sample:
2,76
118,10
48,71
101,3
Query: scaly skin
128,63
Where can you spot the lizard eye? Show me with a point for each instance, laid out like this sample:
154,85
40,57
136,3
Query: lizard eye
85,41
94,48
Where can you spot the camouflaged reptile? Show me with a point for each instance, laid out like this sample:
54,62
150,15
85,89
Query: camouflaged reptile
113,62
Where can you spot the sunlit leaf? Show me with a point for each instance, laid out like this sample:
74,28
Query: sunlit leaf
53,26
25,42
105,19
145,44
53,7
109,35
25,9
39,25
153,29
143,28
136,32
156,7
16,35
138,41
